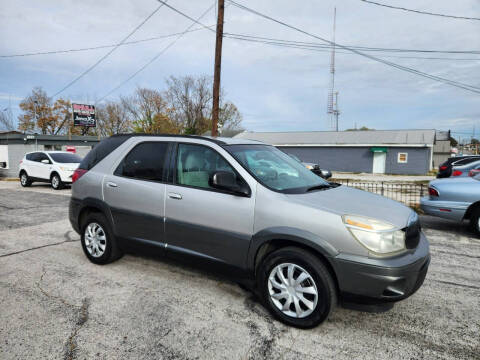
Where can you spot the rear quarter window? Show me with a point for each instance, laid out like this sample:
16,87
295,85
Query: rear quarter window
101,150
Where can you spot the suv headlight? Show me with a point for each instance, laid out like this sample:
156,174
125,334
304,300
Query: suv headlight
377,236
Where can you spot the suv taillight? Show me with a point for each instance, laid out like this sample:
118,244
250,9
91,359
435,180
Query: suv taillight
432,192
457,173
77,174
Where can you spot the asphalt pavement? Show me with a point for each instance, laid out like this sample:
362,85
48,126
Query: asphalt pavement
55,304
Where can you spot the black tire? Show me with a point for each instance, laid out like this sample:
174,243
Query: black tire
25,180
56,182
112,252
475,221
326,290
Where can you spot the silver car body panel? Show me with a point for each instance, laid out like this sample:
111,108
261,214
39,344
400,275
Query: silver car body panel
456,195
231,229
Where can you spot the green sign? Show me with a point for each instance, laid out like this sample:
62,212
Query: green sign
378,149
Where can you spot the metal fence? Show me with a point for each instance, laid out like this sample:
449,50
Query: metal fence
407,193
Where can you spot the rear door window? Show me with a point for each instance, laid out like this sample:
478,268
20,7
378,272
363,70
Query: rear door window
146,161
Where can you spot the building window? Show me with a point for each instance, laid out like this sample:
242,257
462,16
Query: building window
402,158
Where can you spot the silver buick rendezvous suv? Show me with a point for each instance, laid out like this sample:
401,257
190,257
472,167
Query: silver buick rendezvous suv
300,243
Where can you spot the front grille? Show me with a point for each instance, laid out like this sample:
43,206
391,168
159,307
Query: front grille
412,235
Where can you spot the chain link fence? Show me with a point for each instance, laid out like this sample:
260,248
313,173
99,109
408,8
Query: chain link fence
407,193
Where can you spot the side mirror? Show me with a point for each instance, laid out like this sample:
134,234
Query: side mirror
45,161
225,180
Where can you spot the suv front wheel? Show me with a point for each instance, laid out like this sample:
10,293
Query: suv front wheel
56,182
297,287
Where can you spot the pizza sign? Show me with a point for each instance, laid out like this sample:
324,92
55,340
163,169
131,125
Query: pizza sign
84,115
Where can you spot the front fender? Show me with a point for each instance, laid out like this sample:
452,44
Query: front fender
299,236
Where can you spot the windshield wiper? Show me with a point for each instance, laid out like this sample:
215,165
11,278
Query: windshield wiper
319,187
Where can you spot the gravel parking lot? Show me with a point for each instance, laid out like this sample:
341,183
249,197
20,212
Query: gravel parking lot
55,304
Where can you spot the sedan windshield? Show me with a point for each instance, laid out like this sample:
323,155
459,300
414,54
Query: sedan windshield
276,170
65,158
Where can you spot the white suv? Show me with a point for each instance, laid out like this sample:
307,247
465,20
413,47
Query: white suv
55,167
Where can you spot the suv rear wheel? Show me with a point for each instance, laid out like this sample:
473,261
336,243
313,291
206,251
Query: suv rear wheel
56,182
98,242
297,287
25,180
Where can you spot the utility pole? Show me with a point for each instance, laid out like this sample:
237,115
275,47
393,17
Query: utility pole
218,68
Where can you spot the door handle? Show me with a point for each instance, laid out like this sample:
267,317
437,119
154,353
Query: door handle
175,196
112,184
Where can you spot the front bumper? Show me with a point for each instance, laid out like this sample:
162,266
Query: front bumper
445,209
66,176
378,280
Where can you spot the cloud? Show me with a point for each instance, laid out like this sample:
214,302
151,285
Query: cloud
276,88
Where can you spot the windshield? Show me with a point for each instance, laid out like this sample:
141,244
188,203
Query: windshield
65,158
275,169
294,157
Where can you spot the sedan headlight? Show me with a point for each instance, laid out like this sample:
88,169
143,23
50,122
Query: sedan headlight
377,236
309,167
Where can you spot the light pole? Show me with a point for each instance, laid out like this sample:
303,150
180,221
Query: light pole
35,102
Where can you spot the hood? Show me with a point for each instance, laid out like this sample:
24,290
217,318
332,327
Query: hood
345,200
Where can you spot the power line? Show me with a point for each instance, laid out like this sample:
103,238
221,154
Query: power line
386,62
325,48
420,12
97,47
108,53
363,48
194,21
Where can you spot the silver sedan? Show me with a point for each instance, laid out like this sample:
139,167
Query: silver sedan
455,199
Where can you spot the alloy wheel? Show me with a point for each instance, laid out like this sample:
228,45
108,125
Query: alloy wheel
23,179
292,290
55,181
95,240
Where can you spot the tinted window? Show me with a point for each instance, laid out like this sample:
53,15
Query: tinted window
101,150
465,161
196,164
41,156
31,156
145,162
65,158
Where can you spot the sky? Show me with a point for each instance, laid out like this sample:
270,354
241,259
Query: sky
275,88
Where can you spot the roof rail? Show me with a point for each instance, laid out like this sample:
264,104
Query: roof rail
216,141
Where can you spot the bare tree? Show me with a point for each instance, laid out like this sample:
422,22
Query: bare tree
112,118
37,113
190,101
6,120
149,112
